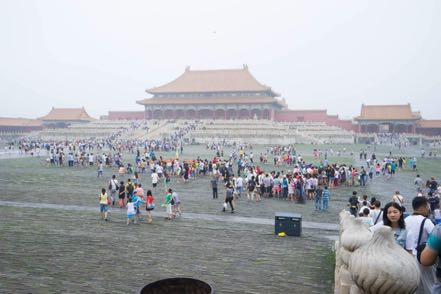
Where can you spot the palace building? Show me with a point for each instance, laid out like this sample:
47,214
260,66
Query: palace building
387,119
19,125
213,94
63,117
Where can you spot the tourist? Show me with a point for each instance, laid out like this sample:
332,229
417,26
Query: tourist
376,213
104,202
285,184
326,195
136,178
251,186
398,198
155,178
177,207
150,206
130,188
229,196
100,169
433,185
213,183
168,204
137,200
419,228
130,211
418,183
365,218
121,194
113,187
239,186
353,204
393,217
364,205
318,198
429,256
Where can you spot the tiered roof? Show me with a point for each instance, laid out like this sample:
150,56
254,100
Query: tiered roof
67,114
429,124
225,80
387,112
220,85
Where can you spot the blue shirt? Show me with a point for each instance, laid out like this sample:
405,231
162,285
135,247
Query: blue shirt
434,240
326,194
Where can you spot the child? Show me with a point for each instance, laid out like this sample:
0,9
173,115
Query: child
150,206
325,196
318,198
130,211
137,201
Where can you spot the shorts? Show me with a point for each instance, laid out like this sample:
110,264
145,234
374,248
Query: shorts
104,207
130,215
169,209
154,185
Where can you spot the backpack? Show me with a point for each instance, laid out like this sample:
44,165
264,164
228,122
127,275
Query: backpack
230,194
130,188
251,185
353,201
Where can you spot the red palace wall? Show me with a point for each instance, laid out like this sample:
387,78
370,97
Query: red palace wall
299,116
313,116
125,115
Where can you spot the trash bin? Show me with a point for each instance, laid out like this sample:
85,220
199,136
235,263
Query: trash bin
178,285
290,223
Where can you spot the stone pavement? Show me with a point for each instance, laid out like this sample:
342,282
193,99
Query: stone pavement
53,249
189,216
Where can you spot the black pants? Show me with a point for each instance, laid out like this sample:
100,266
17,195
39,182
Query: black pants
230,201
214,193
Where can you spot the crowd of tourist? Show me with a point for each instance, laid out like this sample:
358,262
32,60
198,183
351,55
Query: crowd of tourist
279,174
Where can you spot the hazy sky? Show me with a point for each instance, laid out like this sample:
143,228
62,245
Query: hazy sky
326,54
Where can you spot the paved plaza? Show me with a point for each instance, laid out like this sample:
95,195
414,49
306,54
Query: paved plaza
52,240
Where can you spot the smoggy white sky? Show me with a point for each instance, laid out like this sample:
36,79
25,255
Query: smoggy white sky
319,54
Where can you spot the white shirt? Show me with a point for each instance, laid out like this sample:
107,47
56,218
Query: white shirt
130,208
413,225
366,220
155,178
362,208
239,182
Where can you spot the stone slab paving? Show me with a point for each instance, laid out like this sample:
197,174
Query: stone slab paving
190,216
47,250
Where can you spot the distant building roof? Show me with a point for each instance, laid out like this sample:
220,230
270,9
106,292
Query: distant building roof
224,80
387,112
213,100
429,124
19,122
67,114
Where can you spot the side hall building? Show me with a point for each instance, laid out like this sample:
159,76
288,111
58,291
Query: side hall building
387,119
63,117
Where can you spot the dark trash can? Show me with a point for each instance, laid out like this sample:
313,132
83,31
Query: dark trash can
178,285
290,223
